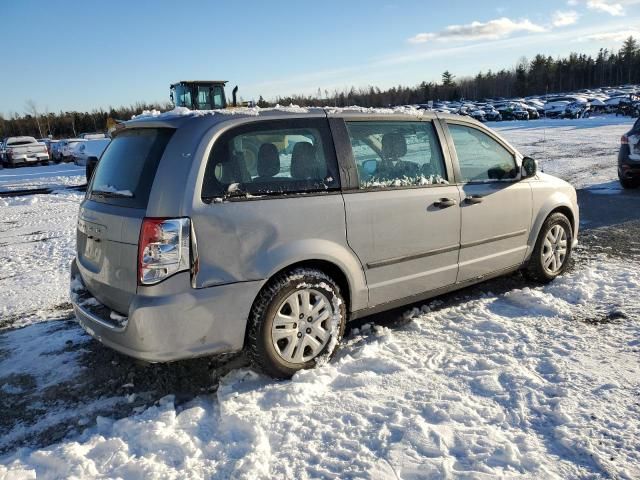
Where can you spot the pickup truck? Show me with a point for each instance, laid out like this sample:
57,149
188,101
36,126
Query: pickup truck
24,150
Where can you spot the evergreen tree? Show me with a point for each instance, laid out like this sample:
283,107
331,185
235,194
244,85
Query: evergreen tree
447,79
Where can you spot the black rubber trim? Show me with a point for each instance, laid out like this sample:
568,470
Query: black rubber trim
421,297
494,239
406,258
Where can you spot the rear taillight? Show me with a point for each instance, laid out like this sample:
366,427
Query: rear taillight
163,249
624,140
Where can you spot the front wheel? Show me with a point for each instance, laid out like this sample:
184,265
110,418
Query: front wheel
296,321
552,252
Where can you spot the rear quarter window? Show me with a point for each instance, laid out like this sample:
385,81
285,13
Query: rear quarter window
127,168
276,157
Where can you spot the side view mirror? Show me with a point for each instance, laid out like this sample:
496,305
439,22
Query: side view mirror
529,167
370,167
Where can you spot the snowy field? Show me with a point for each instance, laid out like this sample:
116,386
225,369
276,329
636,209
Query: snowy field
53,176
583,152
505,380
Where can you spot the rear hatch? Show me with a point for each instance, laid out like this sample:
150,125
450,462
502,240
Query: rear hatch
111,215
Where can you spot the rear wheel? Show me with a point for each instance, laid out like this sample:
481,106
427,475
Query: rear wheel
552,252
296,321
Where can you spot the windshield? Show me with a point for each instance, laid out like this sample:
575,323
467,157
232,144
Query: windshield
126,170
199,97
182,96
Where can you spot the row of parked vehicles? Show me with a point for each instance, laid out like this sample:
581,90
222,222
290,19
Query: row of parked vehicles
25,150
622,100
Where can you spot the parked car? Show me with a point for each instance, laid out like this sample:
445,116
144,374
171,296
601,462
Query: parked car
2,142
92,136
512,111
67,147
50,143
491,114
56,150
199,235
24,151
91,148
629,158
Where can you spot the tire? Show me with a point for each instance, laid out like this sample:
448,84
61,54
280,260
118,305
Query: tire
628,184
536,269
309,342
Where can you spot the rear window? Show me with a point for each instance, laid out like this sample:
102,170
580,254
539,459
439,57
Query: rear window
17,143
128,166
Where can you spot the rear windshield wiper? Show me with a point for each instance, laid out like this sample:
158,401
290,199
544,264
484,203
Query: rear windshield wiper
107,194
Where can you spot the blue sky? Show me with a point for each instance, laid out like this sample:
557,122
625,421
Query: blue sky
78,55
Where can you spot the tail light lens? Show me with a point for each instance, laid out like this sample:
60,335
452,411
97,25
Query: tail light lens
624,140
163,249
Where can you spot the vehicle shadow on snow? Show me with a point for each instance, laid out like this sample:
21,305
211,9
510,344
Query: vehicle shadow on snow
99,382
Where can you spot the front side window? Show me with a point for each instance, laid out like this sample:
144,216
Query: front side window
271,158
396,154
480,157
182,96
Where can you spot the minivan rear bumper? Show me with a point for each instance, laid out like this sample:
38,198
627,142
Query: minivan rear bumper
176,326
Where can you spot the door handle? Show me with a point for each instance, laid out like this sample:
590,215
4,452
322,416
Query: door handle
445,203
473,199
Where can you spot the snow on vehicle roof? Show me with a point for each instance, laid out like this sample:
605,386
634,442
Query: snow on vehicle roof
23,139
183,112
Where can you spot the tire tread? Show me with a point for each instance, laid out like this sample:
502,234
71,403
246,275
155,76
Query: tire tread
256,356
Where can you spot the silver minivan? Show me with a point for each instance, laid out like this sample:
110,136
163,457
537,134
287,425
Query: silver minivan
268,230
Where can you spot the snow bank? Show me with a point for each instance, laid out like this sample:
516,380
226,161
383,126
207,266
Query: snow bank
514,385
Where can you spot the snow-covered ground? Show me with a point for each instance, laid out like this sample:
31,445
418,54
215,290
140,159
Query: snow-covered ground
583,152
53,176
534,382
521,381
37,244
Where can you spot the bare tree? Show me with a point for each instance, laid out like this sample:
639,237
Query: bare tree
32,109
46,116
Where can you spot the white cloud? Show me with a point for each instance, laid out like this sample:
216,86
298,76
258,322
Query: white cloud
616,8
563,19
491,30
616,36
606,6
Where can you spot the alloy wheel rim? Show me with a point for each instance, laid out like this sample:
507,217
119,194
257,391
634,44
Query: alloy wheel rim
301,328
554,249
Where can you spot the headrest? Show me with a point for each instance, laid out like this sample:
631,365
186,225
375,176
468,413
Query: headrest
394,146
268,160
304,163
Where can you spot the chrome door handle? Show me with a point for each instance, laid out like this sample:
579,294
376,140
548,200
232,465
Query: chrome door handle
445,203
473,199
